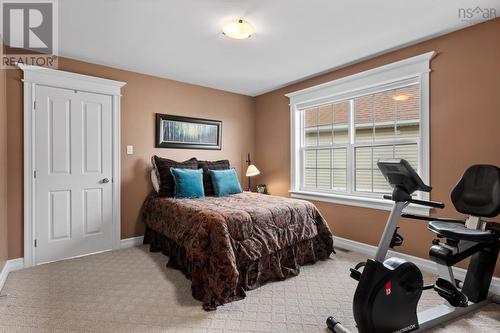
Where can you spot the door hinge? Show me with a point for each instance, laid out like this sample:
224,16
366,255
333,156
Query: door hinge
34,105
35,243
34,174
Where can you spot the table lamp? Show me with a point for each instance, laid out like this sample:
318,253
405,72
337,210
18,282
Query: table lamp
251,171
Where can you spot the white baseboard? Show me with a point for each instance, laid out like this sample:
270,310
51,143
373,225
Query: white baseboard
425,265
10,266
131,242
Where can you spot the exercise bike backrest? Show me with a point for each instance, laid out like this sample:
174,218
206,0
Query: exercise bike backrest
478,191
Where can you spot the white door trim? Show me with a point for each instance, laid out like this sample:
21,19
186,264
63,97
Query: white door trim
33,76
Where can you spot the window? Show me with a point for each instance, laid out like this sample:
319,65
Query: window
341,129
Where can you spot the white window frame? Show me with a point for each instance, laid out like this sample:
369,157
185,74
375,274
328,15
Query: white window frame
411,70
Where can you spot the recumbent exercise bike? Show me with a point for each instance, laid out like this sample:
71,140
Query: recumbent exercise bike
388,291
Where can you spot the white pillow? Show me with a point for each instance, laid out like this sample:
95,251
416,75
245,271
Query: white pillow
154,180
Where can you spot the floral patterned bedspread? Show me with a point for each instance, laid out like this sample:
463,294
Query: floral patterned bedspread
222,234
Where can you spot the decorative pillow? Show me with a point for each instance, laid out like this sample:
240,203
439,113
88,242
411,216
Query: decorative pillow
154,180
188,183
225,182
165,178
211,165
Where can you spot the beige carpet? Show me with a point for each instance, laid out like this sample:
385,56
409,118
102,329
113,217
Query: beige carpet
132,291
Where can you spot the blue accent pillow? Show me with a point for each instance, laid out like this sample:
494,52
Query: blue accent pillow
188,183
225,182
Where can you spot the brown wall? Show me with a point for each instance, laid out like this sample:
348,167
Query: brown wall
143,96
465,106
3,171
465,128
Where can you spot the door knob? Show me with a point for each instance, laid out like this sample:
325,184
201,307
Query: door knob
105,181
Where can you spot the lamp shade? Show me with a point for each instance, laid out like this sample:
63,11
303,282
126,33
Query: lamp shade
252,171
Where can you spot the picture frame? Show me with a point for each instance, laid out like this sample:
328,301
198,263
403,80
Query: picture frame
187,133
261,188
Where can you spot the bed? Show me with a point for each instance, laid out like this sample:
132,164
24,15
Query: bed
229,245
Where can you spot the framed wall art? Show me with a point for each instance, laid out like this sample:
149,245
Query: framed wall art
188,133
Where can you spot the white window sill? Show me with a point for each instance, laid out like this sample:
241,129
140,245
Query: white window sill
357,201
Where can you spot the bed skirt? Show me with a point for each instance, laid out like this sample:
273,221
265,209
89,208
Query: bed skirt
273,267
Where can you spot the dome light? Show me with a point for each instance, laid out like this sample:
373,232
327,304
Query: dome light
238,29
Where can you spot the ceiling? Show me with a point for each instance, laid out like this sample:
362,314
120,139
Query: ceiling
295,39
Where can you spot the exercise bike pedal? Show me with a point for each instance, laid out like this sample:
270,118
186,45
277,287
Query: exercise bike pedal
458,283
355,273
397,239
449,292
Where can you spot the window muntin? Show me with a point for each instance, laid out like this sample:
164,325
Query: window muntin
342,140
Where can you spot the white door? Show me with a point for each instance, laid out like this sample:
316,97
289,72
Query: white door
73,163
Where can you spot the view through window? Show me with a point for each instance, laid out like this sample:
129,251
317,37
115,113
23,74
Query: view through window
343,140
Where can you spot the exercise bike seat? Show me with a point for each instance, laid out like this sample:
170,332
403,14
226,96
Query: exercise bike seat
459,231
477,194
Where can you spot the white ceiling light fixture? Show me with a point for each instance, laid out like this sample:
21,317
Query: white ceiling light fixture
238,29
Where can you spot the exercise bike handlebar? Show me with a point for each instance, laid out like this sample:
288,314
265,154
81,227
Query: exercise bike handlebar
432,218
428,203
